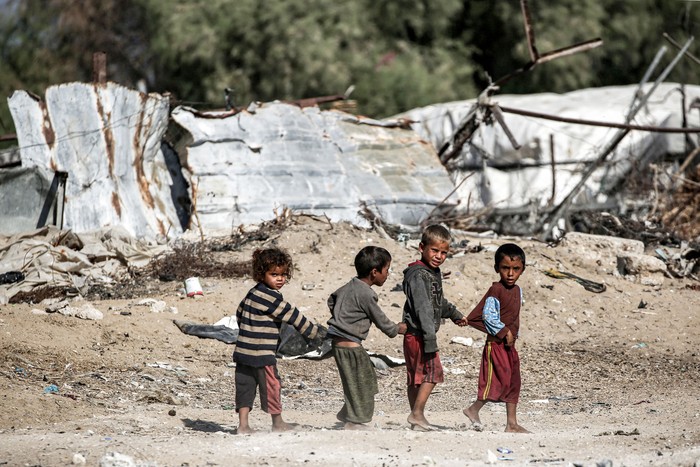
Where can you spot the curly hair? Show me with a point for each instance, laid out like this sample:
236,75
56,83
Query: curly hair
264,260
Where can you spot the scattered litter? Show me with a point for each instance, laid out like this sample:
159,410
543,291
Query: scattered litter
193,288
504,451
641,345
156,306
11,277
207,331
589,285
468,341
228,321
78,459
642,304
540,401
86,311
491,458
51,389
562,398
308,286
634,432
166,366
56,306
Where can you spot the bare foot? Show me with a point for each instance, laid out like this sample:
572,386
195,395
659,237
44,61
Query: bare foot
471,415
356,426
474,418
284,426
420,425
245,430
516,429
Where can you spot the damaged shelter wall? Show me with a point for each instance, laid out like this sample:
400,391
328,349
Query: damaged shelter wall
107,138
244,166
27,199
503,177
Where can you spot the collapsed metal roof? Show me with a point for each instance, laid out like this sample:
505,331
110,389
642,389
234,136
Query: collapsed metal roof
552,154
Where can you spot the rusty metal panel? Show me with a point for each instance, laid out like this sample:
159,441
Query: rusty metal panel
242,167
107,138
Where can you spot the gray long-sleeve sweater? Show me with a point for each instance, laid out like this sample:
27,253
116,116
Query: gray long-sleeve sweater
425,305
354,308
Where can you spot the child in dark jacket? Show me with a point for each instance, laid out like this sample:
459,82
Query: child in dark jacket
423,312
354,308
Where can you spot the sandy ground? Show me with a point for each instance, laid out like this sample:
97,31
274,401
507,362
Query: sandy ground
605,382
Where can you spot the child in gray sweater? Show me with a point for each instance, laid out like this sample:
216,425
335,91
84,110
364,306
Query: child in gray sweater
354,308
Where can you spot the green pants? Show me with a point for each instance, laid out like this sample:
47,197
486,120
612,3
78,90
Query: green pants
359,383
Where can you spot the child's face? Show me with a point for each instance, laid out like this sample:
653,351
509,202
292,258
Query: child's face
379,276
510,268
434,254
275,277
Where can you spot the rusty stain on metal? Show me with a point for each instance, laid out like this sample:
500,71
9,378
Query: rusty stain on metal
116,204
46,127
107,132
138,160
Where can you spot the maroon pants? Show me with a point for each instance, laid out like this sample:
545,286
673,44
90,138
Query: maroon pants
499,376
421,367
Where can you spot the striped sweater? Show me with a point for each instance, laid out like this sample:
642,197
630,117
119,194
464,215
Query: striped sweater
260,316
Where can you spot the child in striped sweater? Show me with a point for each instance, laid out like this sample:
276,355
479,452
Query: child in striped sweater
260,316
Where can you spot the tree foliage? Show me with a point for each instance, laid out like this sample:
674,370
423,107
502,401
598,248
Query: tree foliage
399,55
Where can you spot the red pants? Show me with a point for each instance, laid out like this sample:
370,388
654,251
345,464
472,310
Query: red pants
499,376
421,367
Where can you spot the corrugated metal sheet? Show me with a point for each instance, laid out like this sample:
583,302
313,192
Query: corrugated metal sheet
27,199
107,138
242,167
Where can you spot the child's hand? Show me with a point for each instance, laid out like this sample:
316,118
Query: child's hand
461,322
510,339
402,328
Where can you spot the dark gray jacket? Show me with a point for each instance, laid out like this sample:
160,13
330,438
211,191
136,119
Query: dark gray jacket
425,305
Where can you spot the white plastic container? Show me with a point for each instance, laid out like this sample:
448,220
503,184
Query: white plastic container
192,287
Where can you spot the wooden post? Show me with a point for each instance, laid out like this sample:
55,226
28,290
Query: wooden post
99,67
